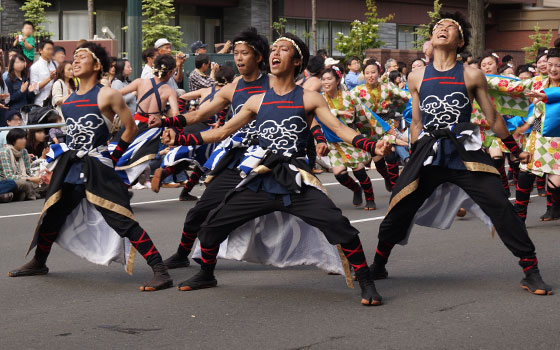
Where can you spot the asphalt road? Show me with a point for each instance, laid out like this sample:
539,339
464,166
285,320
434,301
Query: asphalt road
454,289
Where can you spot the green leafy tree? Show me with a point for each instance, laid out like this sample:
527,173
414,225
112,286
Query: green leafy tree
539,40
422,32
155,24
34,11
363,35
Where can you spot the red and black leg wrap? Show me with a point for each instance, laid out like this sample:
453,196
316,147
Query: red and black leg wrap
186,244
209,257
382,253
143,243
193,179
119,151
355,254
365,183
364,143
188,139
522,193
178,121
318,135
512,145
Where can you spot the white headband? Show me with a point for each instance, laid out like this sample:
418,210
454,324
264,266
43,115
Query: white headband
283,38
246,43
91,53
452,21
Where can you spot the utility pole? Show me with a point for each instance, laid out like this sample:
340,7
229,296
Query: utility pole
476,17
91,24
314,26
134,36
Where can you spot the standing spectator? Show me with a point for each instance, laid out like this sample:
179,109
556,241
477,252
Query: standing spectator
148,56
123,69
199,48
198,79
17,81
396,79
43,72
322,53
63,86
110,75
11,54
403,69
27,42
391,65
59,55
4,98
13,118
163,47
15,165
310,78
352,77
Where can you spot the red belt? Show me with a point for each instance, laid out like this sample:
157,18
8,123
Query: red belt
142,118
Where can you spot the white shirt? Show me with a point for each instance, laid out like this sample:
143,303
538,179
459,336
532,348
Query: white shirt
147,72
40,70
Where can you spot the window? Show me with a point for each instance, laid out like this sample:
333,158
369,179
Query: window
405,37
190,25
338,27
113,21
326,32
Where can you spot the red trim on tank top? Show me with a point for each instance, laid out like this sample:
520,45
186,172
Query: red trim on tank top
432,78
248,88
77,101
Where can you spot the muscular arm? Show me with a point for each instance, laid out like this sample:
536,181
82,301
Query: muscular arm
221,100
131,87
192,95
174,110
414,81
247,113
112,101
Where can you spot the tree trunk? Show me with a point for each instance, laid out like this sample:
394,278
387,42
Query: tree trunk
91,24
477,19
314,26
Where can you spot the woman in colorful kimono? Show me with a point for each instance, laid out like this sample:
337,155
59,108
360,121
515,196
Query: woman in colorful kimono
383,99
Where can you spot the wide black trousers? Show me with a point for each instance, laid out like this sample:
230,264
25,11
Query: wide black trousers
242,205
485,189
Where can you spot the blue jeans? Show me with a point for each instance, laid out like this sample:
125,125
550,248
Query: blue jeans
402,152
7,186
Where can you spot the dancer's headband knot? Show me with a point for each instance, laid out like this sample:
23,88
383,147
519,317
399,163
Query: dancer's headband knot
452,21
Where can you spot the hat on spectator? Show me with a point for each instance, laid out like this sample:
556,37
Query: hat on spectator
198,45
160,42
330,61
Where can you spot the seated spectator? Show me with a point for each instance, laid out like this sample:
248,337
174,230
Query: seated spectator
198,79
21,91
36,145
13,118
7,188
15,165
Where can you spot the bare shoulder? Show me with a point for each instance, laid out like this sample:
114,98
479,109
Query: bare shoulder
310,96
415,78
474,74
107,92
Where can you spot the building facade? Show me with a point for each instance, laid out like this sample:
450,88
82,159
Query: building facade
509,22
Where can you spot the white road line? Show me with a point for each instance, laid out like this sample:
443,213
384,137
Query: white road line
176,199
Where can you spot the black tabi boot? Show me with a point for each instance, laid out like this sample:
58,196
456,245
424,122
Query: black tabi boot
203,279
533,281
35,267
161,279
176,261
378,271
369,294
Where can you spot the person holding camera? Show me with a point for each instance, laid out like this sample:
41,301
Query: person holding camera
198,79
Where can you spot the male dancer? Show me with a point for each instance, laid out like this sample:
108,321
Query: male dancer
282,182
85,170
251,52
442,98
